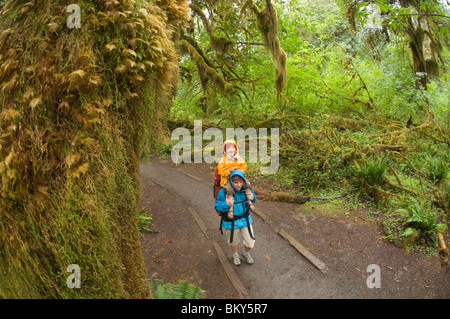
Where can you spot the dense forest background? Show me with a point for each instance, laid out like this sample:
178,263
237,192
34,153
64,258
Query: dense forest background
359,90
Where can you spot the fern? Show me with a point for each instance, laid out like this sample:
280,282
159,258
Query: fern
182,290
446,196
374,171
437,170
145,222
154,284
421,218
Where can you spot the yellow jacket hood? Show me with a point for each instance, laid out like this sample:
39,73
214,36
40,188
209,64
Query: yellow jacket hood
230,142
225,163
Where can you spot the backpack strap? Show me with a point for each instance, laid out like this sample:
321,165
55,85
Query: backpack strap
217,179
232,220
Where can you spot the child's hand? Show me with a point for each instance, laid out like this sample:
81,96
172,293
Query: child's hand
250,196
229,201
231,169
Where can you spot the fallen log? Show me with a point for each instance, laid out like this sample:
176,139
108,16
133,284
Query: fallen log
288,197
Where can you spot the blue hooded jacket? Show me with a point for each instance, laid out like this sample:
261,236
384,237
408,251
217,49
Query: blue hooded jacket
238,208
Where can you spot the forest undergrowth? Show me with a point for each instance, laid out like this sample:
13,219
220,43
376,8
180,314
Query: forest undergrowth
357,114
398,171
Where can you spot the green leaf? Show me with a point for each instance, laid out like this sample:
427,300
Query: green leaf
408,232
154,284
402,211
160,293
440,228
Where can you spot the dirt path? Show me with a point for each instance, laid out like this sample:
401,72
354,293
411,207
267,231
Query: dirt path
189,246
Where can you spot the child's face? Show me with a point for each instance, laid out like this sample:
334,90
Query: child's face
230,151
237,184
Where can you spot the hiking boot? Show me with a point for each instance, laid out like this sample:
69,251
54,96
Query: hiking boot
248,258
236,260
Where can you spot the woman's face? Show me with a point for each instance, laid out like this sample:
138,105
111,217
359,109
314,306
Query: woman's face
230,151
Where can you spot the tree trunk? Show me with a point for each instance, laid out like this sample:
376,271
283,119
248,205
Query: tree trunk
416,36
77,96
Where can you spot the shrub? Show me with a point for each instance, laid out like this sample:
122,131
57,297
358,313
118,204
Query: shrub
422,219
437,170
373,171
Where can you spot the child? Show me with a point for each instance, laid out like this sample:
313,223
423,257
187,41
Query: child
241,222
227,164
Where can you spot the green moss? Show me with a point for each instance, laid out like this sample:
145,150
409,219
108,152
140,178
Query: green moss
70,165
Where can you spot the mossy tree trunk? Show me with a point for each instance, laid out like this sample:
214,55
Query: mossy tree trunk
78,107
416,37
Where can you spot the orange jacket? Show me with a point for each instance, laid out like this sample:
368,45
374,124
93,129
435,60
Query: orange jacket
225,163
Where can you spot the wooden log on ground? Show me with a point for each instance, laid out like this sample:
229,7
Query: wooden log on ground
281,197
288,197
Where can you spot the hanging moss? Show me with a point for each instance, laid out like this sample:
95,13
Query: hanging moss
267,23
78,107
205,71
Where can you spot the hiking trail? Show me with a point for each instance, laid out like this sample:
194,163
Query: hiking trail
297,254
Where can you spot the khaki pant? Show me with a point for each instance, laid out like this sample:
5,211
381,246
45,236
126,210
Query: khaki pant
246,239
